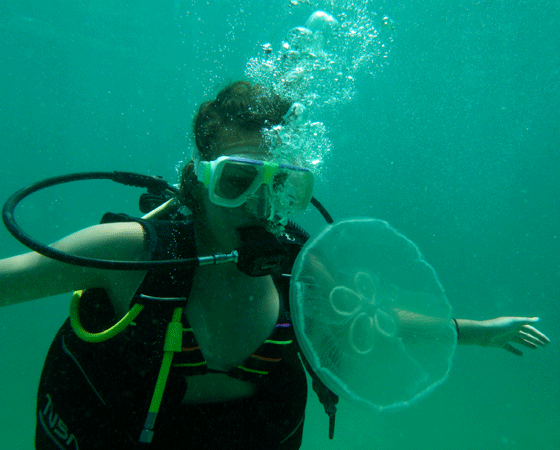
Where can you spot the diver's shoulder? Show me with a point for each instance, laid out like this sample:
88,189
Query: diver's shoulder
116,241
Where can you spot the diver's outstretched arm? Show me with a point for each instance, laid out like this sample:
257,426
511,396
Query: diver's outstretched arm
501,333
31,275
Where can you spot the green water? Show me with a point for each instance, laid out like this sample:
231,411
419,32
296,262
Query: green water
453,139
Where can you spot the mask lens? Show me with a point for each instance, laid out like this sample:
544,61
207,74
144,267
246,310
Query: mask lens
233,180
236,180
292,189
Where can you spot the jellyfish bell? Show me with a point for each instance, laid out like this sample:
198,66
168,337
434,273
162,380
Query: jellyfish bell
370,314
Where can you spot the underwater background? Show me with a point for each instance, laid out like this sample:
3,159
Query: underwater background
449,130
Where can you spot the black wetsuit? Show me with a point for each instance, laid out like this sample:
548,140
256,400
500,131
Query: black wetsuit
96,395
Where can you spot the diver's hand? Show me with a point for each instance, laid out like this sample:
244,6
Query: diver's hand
502,332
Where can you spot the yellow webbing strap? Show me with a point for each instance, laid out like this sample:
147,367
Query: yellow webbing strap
173,343
103,335
167,207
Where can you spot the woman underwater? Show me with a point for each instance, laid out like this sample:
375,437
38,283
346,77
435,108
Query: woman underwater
238,381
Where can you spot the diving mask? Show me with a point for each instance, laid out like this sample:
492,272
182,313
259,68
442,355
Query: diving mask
232,180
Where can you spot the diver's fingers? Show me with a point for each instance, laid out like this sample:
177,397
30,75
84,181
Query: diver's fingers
524,341
536,333
524,320
531,338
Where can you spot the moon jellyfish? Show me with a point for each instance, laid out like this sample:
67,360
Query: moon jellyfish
370,314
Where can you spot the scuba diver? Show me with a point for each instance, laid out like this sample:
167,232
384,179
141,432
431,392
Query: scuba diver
235,378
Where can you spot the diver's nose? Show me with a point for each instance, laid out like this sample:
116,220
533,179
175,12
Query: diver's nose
258,204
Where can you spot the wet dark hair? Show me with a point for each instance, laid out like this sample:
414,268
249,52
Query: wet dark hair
240,106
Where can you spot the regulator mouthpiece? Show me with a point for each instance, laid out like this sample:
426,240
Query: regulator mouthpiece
260,252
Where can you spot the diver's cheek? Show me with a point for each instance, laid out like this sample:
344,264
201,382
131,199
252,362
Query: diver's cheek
222,222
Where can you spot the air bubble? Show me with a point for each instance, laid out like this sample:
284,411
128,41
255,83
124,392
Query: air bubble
317,66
